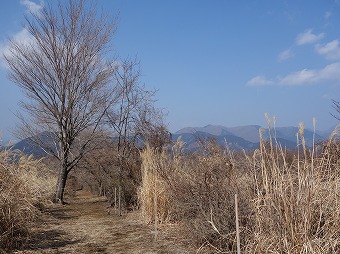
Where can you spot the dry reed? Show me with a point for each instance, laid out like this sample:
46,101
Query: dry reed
25,184
153,195
288,201
297,206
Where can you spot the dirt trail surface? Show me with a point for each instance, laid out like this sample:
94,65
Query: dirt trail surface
85,226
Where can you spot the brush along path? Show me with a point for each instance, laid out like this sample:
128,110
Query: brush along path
85,226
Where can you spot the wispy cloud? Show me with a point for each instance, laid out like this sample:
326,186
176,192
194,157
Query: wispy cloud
298,78
330,50
328,14
22,36
307,37
330,74
259,81
32,6
286,54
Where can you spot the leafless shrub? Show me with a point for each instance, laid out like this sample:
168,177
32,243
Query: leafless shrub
104,172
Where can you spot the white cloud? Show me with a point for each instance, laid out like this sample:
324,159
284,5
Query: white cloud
329,74
32,6
298,78
307,37
22,36
259,81
286,54
330,50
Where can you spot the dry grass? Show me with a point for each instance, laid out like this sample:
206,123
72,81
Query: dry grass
197,191
156,204
297,204
288,202
25,184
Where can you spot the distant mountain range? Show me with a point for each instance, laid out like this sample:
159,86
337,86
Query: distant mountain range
246,137
237,138
28,147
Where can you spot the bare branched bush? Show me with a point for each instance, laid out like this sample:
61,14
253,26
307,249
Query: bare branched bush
105,172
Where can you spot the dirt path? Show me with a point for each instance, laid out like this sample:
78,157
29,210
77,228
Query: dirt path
85,226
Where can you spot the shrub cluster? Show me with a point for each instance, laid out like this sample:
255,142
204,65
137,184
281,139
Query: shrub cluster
106,172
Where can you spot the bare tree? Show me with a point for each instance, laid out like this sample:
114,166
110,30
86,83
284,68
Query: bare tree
134,120
65,74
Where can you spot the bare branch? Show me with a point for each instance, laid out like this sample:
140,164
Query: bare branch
336,106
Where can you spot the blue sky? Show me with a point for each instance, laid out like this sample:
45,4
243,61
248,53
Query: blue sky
217,62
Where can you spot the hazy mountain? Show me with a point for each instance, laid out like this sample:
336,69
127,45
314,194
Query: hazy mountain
245,137
215,130
28,147
326,133
237,138
289,134
248,132
224,139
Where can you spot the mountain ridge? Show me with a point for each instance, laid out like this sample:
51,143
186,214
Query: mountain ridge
247,137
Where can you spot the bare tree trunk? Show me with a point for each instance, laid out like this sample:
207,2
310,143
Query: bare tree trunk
61,183
59,198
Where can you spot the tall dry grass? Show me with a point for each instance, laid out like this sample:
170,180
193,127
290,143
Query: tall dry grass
198,192
297,205
288,202
25,185
154,194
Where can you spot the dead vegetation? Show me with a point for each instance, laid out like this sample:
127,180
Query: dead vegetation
288,202
25,186
296,205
